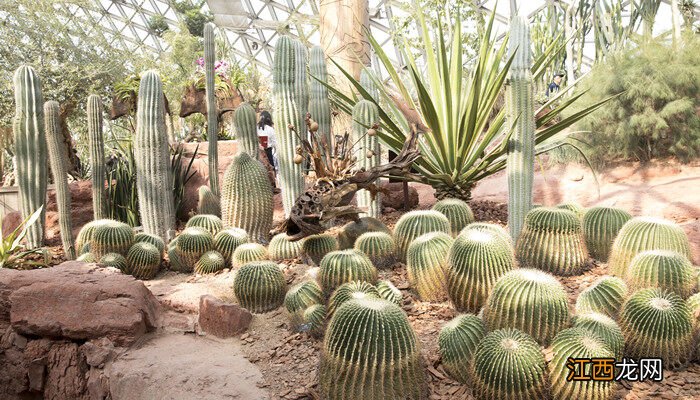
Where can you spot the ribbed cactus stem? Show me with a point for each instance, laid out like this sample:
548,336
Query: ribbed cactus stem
290,97
319,104
57,158
520,107
364,116
30,150
152,159
97,155
246,130
212,115
368,84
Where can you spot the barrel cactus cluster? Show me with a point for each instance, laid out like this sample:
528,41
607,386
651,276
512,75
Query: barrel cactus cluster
227,240
344,266
417,223
192,243
260,286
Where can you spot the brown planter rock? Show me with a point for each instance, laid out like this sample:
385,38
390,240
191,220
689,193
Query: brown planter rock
222,319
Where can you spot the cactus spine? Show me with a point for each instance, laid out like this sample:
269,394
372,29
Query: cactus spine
368,84
315,247
364,116
521,146
246,130
212,114
152,159
54,139
97,155
289,93
319,104
111,237
192,243
30,150
115,260
210,262
152,239
226,241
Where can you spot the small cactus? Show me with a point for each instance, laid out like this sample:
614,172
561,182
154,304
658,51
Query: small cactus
210,262
208,203
343,266
210,222
192,243
380,247
508,365
152,239
605,327
82,242
370,352
574,207
427,263
302,295
115,260
389,292
662,269
600,227
350,291
657,323
417,223
457,212
315,247
552,240
226,242
281,248
349,233
314,320
530,300
143,260
605,296
260,286
111,237
87,258
176,263
645,233
457,343
249,252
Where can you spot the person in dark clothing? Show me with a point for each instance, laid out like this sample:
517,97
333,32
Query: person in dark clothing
553,87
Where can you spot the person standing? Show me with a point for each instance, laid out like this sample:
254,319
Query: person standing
553,87
268,140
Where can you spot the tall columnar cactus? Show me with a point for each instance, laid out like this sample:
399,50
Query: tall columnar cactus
380,247
152,158
260,286
389,292
97,155
552,240
246,130
427,263
226,241
530,300
290,98
349,233
457,343
645,233
578,343
605,327
210,222
600,227
319,103
192,243
210,262
212,113
343,266
143,260
662,269
605,296
417,223
364,115
315,247
303,295
657,323
281,248
520,164
508,365
111,237
30,150
370,352
477,259
457,212
57,159
246,198
368,84
351,291
249,252
208,203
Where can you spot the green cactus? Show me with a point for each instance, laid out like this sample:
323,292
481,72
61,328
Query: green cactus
281,248
154,180
370,352
578,343
574,207
302,295
260,286
212,113
552,240
427,263
246,130
152,239
87,258
662,269
364,116
210,262
645,233
57,159
226,241
314,320
693,303
457,343
192,243
604,296
351,291
520,103
508,365
657,323
342,266
530,300
97,156
605,327
493,229
246,198
291,99
389,292
315,247
380,247
368,84
208,203
457,212
30,151
417,223
143,260
600,227
210,222
477,259
115,260
319,103
111,237
82,242
349,233
249,252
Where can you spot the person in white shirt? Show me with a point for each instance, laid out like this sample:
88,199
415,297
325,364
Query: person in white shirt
268,140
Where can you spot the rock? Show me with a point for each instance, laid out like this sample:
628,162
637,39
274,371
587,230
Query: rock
222,319
80,210
78,301
393,197
10,222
